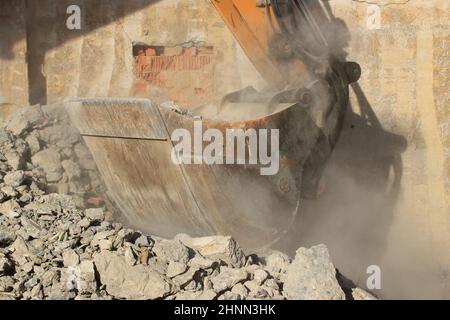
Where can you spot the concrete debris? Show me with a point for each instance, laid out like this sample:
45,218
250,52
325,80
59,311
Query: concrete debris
218,247
228,278
50,161
175,268
312,276
130,282
360,294
55,244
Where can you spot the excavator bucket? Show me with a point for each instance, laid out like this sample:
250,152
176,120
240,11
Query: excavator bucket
131,142
296,125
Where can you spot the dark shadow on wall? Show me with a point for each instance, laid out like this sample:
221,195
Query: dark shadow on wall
43,24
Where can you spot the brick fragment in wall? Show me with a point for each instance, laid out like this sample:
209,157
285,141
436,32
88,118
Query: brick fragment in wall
161,68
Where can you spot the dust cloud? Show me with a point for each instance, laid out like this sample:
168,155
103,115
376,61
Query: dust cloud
363,217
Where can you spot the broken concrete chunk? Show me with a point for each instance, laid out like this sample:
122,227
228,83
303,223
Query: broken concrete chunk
50,161
14,179
87,283
143,241
60,135
312,276
259,276
10,209
95,213
20,247
31,227
228,278
70,258
7,237
276,263
200,262
84,157
196,295
175,268
216,247
24,119
15,160
33,143
241,290
6,265
72,169
171,251
105,244
130,257
127,282
360,294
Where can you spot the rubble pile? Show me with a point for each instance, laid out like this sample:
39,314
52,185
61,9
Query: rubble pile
39,142
54,246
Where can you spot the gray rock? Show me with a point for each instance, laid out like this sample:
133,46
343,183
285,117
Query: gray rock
72,169
252,286
56,112
84,157
127,282
7,296
70,258
130,257
5,137
55,202
7,237
260,276
277,263
50,161
105,244
49,277
228,295
200,262
20,247
15,159
360,294
36,293
33,143
31,283
6,265
6,284
8,191
24,119
197,295
168,250
143,241
272,286
59,292
95,214
228,278
102,235
31,227
216,247
87,283
14,179
175,268
186,279
63,136
241,290
10,209
312,276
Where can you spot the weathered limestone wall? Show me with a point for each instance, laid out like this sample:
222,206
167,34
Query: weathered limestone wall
98,59
13,67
